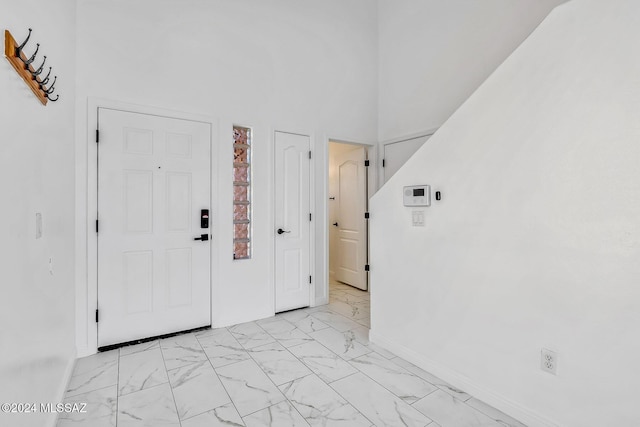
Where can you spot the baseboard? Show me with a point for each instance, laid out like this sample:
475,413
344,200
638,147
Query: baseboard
64,385
513,409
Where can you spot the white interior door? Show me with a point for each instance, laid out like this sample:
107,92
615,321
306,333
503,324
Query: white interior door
396,154
352,231
292,221
153,180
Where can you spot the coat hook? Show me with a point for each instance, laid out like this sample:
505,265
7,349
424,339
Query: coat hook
19,48
39,70
46,79
33,57
51,87
51,99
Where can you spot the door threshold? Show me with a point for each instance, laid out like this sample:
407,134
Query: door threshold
157,337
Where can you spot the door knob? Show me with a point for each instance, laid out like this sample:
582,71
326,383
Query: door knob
202,237
335,223
281,231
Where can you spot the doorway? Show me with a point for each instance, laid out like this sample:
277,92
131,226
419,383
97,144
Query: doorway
348,214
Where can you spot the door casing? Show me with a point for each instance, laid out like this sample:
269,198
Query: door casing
87,303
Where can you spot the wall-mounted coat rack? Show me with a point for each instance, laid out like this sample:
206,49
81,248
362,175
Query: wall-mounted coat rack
42,87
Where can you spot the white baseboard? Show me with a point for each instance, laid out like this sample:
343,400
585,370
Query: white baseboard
513,409
68,372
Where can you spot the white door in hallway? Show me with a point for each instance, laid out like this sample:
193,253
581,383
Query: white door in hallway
292,221
352,230
153,180
397,153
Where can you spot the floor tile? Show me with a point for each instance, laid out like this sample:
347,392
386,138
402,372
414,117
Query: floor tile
397,380
142,370
282,414
442,385
308,323
285,333
181,350
224,416
502,418
320,405
322,361
137,348
448,411
350,309
279,365
153,407
250,335
335,320
100,409
295,315
94,373
344,344
197,389
222,348
378,404
250,388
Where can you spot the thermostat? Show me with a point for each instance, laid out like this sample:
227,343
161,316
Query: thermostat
417,195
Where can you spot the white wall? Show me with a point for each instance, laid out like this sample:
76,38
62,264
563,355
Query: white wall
277,65
435,53
536,240
37,345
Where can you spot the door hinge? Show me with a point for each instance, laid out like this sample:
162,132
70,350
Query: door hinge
383,163
97,135
309,216
366,163
366,215
97,226
366,267
309,153
96,315
309,279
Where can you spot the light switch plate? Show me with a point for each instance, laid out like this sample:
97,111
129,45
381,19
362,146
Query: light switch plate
418,218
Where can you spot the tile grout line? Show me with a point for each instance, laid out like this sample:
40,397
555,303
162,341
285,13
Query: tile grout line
217,375
175,404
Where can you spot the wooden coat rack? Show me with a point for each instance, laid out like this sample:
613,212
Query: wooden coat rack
42,87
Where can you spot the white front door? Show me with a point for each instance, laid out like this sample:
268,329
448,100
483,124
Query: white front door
352,231
153,182
396,154
292,221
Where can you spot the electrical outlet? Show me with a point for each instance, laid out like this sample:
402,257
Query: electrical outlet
549,361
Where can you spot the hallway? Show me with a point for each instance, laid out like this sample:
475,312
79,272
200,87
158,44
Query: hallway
308,367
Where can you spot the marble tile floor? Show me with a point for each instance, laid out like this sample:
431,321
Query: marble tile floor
308,367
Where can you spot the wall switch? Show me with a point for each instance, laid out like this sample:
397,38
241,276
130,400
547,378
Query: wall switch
38,225
418,218
51,265
549,361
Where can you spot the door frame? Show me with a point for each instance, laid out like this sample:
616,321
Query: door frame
312,209
372,188
86,302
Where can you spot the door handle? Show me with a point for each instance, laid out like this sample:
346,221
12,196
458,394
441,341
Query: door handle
281,231
202,237
335,223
